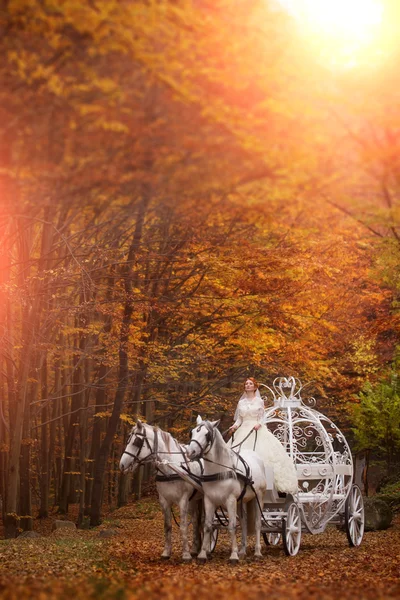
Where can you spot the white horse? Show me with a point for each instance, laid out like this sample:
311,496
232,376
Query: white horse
228,478
150,444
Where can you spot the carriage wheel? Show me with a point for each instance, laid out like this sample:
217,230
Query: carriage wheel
354,516
213,540
291,530
271,539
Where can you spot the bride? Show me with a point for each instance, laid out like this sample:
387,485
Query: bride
254,435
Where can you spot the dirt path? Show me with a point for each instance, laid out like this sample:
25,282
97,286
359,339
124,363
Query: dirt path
127,566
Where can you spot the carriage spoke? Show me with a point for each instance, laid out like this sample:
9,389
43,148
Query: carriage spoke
356,502
291,530
354,517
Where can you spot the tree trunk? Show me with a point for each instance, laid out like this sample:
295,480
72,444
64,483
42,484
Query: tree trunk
3,448
365,474
31,322
101,459
44,449
124,479
54,458
123,372
137,483
83,432
101,398
124,484
12,518
68,490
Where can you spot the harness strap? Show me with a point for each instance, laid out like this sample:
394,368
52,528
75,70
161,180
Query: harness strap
140,444
129,454
175,477
221,522
219,476
245,465
245,478
153,457
192,495
199,445
248,482
155,448
163,478
196,478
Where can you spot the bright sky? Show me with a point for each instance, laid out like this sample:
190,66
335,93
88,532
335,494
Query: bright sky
343,29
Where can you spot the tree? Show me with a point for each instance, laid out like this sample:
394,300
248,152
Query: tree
377,418
161,232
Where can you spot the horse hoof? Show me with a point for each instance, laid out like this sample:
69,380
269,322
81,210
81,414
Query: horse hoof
234,561
186,558
165,557
201,561
258,557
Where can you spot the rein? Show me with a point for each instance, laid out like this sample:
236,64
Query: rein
210,438
232,473
239,445
139,443
154,453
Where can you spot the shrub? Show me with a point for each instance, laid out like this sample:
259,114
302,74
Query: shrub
390,493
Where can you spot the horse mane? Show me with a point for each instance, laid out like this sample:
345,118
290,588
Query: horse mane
221,447
166,437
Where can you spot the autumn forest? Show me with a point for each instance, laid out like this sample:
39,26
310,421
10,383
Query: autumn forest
189,195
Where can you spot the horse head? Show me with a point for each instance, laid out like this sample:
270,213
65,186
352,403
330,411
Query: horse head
139,448
202,438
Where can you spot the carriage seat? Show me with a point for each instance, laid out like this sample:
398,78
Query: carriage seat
269,473
271,495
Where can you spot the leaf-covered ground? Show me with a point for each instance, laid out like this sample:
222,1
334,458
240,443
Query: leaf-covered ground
127,566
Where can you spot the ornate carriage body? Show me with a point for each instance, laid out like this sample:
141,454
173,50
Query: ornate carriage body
319,450
326,493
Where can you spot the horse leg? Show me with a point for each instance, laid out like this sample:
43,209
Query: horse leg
243,526
196,512
209,515
166,508
232,511
183,508
257,524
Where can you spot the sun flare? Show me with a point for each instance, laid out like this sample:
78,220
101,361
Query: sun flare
342,18
344,29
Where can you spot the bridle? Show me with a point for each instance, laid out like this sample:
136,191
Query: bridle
141,439
210,437
231,472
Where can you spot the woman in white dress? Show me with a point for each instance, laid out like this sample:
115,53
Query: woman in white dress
251,433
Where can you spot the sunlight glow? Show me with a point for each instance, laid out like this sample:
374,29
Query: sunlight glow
344,32
342,18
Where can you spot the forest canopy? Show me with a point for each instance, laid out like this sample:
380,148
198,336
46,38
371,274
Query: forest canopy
190,194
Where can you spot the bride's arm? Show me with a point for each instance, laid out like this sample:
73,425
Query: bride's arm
238,419
260,414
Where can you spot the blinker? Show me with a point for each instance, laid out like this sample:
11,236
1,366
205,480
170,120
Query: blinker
138,442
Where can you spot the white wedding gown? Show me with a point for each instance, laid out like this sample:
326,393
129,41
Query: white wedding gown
248,414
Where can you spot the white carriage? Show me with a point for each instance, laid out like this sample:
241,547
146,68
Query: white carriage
326,491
